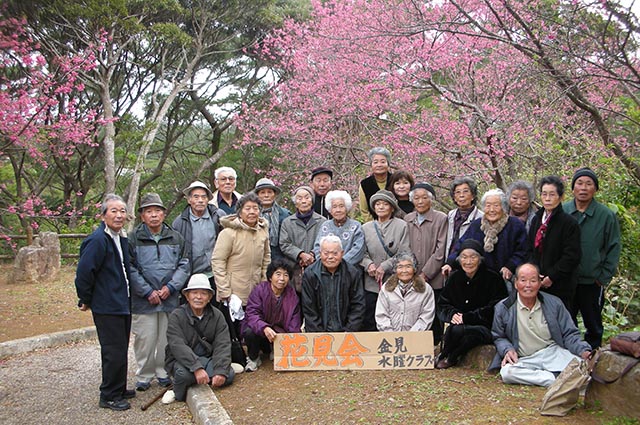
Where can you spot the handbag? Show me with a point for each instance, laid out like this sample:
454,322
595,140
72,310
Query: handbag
627,343
563,394
237,352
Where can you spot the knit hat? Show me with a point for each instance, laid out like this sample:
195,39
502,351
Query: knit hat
308,189
585,172
198,281
198,185
265,183
150,200
472,244
321,170
386,196
426,186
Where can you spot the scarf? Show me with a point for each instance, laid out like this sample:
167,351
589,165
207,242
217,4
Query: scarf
272,215
542,230
491,231
305,217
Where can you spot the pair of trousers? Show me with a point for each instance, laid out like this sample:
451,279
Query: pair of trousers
588,301
460,339
150,340
113,334
540,368
256,343
183,378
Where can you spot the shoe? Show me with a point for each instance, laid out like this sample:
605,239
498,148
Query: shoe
142,386
165,382
128,394
252,365
169,397
237,368
443,364
118,405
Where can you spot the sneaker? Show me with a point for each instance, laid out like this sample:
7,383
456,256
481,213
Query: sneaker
169,397
142,386
237,368
165,382
128,394
253,365
115,404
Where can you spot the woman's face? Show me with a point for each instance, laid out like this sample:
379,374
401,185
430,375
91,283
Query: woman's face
401,189
379,165
549,197
383,209
519,201
303,201
249,213
405,270
279,280
469,261
338,209
493,208
462,196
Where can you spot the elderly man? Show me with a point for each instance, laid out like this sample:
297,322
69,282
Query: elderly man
332,292
321,184
534,335
428,238
159,270
225,197
199,225
102,285
198,343
600,243
267,191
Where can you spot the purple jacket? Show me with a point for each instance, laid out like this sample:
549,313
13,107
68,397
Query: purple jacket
262,310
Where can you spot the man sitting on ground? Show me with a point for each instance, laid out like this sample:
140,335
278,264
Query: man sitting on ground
534,335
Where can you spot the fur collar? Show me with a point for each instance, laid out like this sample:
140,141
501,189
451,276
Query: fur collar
418,283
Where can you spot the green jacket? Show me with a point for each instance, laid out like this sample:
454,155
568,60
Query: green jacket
600,242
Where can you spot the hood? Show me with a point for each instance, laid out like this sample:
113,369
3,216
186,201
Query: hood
233,222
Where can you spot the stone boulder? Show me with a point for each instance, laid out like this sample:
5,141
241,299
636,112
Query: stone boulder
39,262
479,357
622,397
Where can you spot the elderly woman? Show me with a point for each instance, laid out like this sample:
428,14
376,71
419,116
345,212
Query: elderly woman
273,308
503,237
406,302
400,185
267,191
384,237
338,203
464,193
242,254
379,159
554,239
298,234
466,303
521,195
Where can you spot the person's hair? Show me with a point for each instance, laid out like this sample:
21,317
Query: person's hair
279,263
225,170
522,185
109,197
477,253
405,256
527,264
379,151
330,238
496,192
554,180
248,197
398,175
413,191
338,194
464,180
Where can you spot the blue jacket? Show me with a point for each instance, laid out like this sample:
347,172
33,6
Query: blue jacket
561,326
156,264
100,279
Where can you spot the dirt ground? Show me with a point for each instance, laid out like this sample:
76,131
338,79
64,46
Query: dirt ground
456,395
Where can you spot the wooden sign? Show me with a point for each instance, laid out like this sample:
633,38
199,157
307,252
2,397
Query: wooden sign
353,351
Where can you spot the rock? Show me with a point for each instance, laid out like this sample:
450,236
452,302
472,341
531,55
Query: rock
622,397
38,262
479,357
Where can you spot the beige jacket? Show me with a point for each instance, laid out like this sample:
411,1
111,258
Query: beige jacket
240,257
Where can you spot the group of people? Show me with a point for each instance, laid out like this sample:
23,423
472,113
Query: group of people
243,265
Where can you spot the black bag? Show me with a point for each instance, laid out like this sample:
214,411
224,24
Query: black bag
237,352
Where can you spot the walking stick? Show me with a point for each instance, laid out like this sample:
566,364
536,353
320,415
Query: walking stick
156,398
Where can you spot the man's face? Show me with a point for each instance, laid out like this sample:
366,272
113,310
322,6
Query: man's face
115,215
198,200
226,183
153,217
267,197
198,298
321,184
422,200
331,255
584,189
528,282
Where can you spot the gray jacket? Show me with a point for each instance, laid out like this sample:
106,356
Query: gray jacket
505,326
395,235
428,242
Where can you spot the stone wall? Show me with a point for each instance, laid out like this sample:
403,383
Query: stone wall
38,262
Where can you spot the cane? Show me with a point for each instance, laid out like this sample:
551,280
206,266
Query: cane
156,398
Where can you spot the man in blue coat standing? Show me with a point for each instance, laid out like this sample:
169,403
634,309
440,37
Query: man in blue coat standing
102,285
